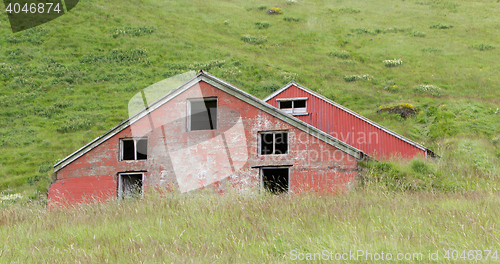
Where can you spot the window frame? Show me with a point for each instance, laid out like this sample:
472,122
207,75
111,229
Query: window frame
274,132
119,192
122,148
188,111
294,110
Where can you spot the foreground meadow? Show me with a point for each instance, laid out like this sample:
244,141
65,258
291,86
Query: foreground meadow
253,229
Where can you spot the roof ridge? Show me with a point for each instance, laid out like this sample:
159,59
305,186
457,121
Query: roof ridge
232,90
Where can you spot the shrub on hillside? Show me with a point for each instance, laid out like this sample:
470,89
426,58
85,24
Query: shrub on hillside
340,54
353,78
291,19
439,26
430,49
274,11
392,63
404,175
405,110
482,47
361,31
392,30
289,76
393,89
132,31
417,34
427,89
116,56
262,25
24,82
74,124
32,35
254,39
348,10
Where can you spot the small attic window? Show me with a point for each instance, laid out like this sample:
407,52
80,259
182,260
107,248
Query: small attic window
293,106
134,149
202,114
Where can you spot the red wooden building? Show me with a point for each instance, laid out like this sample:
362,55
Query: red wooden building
206,133
344,124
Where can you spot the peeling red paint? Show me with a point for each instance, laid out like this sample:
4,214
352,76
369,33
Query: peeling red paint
82,189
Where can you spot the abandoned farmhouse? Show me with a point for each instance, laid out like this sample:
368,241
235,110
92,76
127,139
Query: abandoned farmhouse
208,134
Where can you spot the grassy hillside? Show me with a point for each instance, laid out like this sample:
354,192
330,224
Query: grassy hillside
68,81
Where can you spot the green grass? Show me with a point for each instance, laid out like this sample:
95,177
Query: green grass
482,47
68,81
251,229
465,165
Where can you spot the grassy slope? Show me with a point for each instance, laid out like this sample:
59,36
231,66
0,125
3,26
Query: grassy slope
62,85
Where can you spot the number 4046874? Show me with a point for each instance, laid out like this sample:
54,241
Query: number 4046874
33,8
471,255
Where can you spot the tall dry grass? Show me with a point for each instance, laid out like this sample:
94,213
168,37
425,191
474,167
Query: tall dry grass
249,229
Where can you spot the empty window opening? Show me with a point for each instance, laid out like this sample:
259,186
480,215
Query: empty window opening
202,114
275,180
293,106
273,143
266,143
134,149
299,104
286,105
130,185
128,150
281,143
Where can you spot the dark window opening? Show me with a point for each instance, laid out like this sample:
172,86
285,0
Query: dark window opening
275,180
135,149
285,104
281,143
128,150
203,114
299,104
273,143
130,186
266,144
